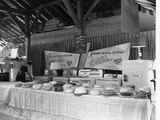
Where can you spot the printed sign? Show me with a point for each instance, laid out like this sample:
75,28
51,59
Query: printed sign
108,58
60,60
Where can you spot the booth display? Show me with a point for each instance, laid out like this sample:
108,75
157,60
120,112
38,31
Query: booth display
96,93
108,58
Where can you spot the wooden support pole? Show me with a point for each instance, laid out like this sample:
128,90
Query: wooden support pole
129,16
28,37
79,9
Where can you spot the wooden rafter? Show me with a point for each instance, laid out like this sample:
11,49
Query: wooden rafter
18,23
9,3
79,10
49,13
62,7
20,37
26,2
6,30
4,19
12,10
61,15
21,11
47,4
17,4
91,9
36,15
9,28
71,12
23,3
16,28
8,9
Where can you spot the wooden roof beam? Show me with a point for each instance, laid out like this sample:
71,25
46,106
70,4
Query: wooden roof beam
23,4
26,2
9,3
79,10
15,37
17,4
49,13
18,23
91,9
15,27
45,5
13,11
4,19
6,31
71,12
8,27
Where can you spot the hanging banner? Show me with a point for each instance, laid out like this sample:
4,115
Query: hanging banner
61,60
108,58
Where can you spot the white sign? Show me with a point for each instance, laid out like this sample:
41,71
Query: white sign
108,58
60,60
90,73
14,53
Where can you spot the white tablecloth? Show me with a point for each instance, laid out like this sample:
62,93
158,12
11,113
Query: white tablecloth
5,91
67,106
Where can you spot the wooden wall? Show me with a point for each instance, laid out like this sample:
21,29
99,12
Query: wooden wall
98,41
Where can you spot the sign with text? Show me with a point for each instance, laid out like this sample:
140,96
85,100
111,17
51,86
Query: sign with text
108,58
61,60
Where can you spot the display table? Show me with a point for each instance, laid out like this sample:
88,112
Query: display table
4,91
31,104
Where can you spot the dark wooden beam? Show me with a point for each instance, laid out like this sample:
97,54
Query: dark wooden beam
7,4
8,9
17,4
71,12
80,16
13,11
62,7
7,31
21,11
59,12
46,5
91,9
24,3
129,17
4,33
17,22
28,36
16,28
36,15
9,28
15,37
48,12
79,9
4,19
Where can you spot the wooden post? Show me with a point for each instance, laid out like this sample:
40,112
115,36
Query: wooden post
130,21
80,43
28,37
129,16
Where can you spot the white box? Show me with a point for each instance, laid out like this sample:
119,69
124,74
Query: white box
138,72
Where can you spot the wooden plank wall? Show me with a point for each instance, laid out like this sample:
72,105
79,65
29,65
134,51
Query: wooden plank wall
97,42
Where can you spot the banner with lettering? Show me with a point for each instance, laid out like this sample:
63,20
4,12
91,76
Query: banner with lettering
61,60
108,58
